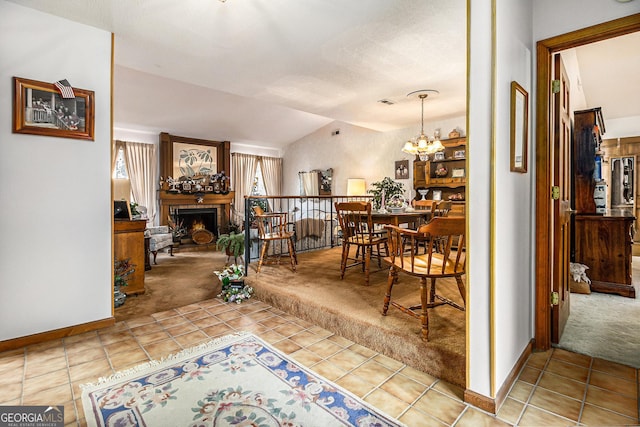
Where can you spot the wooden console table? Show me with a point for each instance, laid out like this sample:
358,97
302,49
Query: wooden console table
603,243
128,242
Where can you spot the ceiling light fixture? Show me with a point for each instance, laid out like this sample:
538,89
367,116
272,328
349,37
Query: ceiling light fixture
423,146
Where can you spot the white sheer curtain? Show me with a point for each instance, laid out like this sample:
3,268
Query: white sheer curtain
243,169
309,183
142,166
272,177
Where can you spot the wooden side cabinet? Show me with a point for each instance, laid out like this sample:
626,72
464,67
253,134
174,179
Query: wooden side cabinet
604,244
128,242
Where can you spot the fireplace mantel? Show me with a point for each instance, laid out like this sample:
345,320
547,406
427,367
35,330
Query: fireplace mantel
220,201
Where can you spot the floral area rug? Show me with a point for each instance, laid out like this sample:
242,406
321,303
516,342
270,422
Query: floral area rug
237,380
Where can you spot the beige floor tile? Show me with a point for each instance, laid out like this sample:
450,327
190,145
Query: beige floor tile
70,413
413,417
624,405
373,372
535,417
217,330
128,359
53,346
595,416
573,358
538,360
329,370
324,333
273,321
36,385
617,384
50,396
271,336
197,314
615,369
41,354
192,339
347,359
510,410
556,403
341,341
451,390
305,338
34,369
386,402
366,352
419,376
188,308
440,406
139,321
404,388
11,391
149,328
568,370
171,322
153,337
562,385
85,337
160,349
228,315
521,391
90,341
241,323
287,346
475,418
355,384
306,357
288,329
206,322
325,348
181,329
11,361
121,346
112,337
529,375
389,362
90,371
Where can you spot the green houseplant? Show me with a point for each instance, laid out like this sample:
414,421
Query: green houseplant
387,186
232,243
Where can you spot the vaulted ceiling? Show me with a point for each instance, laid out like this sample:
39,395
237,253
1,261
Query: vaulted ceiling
267,73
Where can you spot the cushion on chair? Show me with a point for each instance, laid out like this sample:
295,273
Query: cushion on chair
160,229
160,237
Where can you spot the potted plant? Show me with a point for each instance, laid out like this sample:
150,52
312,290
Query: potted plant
387,187
122,268
232,243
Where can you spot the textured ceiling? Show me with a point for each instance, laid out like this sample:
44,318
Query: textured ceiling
267,73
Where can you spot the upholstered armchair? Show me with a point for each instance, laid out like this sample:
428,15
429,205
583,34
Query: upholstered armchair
160,238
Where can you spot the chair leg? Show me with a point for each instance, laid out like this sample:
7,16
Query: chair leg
393,278
292,255
293,245
263,253
171,250
367,263
154,256
424,316
345,256
462,289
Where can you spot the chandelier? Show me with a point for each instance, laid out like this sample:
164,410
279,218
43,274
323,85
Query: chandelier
423,146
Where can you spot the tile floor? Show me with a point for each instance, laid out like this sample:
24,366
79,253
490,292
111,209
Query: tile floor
555,388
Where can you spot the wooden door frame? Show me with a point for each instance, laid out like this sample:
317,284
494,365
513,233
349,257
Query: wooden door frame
544,254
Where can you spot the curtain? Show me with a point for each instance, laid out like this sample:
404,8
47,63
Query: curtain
272,177
243,168
142,166
309,183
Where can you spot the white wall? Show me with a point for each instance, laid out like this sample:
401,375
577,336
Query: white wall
356,153
55,251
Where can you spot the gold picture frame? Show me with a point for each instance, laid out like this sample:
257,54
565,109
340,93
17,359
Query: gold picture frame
519,128
39,109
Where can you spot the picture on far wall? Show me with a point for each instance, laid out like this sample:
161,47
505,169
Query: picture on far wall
402,169
40,109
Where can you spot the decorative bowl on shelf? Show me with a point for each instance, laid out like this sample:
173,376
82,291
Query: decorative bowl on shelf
423,192
441,170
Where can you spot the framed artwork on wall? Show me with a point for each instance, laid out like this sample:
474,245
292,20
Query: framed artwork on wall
402,169
40,109
519,127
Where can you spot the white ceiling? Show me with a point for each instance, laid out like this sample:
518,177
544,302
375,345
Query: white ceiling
266,73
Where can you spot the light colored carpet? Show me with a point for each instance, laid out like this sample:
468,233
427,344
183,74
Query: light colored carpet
605,326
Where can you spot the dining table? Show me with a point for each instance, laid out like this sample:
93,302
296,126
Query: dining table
411,218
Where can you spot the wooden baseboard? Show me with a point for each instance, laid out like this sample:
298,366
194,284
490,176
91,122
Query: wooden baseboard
492,405
15,343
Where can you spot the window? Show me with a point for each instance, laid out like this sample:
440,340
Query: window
258,183
120,170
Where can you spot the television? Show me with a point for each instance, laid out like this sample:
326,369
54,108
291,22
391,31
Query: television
121,209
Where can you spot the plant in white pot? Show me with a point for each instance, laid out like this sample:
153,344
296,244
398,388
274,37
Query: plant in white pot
385,190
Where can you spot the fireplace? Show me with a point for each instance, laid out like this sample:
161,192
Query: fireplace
195,218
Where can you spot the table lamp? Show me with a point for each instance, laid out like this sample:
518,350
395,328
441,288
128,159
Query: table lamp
356,187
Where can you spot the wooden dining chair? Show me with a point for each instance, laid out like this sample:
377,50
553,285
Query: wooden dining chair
429,208
443,208
433,265
274,227
358,231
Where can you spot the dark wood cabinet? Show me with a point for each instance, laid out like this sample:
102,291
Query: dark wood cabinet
604,243
128,242
588,126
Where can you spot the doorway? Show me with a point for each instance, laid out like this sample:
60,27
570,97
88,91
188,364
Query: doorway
547,257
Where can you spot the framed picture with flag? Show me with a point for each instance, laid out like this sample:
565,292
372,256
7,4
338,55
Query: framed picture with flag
52,109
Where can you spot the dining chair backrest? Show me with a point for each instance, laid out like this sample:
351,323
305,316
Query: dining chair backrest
355,221
443,208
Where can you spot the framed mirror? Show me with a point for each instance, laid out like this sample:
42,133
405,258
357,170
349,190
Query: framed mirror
519,127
